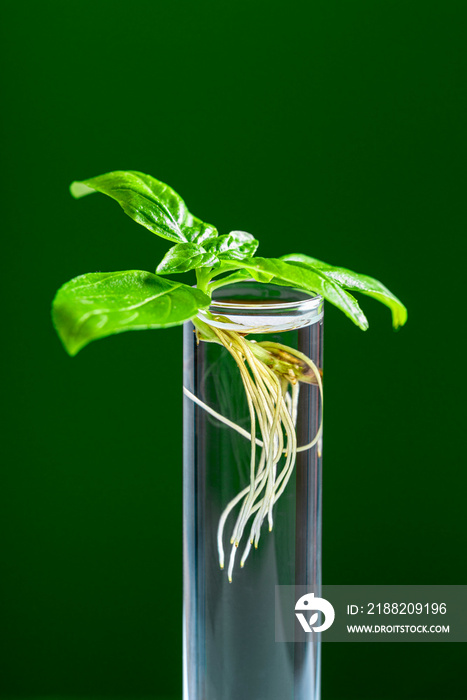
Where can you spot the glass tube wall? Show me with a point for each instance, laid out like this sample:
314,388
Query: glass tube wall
230,652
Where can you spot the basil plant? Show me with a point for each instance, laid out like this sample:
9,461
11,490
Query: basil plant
99,304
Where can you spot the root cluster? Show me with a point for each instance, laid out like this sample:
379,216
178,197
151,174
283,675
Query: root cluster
271,374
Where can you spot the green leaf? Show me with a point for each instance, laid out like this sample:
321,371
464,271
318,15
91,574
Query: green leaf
292,275
189,256
354,281
186,256
150,203
245,265
99,304
233,246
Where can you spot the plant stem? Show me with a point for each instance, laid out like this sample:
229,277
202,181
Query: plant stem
202,279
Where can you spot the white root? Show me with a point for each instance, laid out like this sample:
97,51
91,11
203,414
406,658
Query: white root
273,404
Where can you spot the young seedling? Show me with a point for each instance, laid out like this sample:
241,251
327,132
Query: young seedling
96,305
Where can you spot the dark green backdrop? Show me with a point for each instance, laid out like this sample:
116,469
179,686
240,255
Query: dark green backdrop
332,128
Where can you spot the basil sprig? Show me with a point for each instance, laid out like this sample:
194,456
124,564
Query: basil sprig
96,305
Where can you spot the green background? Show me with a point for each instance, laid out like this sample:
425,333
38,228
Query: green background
331,128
